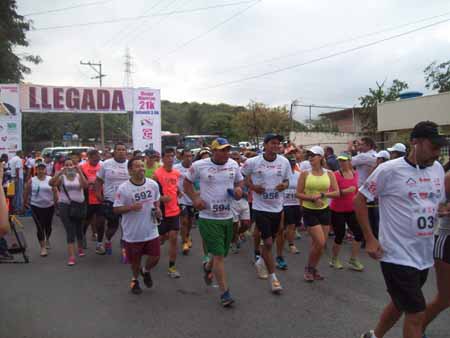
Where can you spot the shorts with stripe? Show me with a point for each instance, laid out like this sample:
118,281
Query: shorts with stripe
442,248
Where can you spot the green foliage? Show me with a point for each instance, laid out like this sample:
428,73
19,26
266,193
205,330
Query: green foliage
437,76
13,28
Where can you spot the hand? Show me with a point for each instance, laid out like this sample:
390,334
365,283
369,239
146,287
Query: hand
259,189
318,203
374,249
238,193
280,187
136,207
158,213
316,197
199,204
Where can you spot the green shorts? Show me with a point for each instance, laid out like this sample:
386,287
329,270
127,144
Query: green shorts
217,235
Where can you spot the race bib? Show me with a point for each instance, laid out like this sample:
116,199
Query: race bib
270,195
220,207
423,220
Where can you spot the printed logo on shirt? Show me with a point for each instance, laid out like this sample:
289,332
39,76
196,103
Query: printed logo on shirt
371,187
411,182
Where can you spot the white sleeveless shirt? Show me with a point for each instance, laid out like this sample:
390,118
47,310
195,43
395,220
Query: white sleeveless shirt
73,189
41,193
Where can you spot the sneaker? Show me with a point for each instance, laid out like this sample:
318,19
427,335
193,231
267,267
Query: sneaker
147,278
100,249
226,300
173,273
44,252
71,261
81,253
308,275
293,249
297,234
135,287
205,259
317,275
368,334
281,263
6,256
208,275
185,248
47,244
355,264
336,263
234,248
261,268
108,248
275,286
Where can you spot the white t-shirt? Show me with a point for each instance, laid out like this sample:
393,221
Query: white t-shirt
49,168
305,166
215,179
269,175
41,193
16,163
289,193
364,163
138,226
30,162
408,201
113,174
183,199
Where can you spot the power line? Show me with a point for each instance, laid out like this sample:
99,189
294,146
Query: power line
213,28
50,11
346,51
139,17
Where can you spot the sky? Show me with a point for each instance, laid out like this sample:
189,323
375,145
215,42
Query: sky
231,51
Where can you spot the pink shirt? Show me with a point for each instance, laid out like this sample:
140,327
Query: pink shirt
345,202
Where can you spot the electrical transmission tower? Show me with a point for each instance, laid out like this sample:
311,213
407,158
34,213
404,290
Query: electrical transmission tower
128,78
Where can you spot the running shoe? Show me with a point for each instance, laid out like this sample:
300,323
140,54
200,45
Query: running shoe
189,241
275,286
135,287
71,261
234,248
368,334
261,268
317,275
147,278
297,234
44,252
293,249
185,248
308,275
226,300
100,249
108,248
47,244
205,259
208,275
81,252
355,264
173,273
281,263
336,263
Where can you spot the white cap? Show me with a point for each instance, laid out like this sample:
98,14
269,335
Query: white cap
384,154
318,150
400,147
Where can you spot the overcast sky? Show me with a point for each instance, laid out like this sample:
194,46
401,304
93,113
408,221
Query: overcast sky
193,57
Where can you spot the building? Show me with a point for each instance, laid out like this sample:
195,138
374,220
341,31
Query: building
345,120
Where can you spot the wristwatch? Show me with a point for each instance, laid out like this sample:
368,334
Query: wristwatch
322,195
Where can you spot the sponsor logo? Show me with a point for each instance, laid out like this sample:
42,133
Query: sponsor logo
371,187
411,182
147,133
424,180
147,122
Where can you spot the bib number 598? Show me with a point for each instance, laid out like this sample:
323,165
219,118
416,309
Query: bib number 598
425,222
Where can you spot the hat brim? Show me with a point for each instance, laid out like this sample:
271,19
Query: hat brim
343,158
221,147
439,141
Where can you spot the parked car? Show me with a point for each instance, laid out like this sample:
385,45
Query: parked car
53,151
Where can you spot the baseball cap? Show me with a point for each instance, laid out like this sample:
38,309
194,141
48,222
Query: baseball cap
344,156
220,143
399,147
316,150
429,130
383,154
272,136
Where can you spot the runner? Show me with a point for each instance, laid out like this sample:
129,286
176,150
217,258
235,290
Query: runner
343,214
187,210
365,160
219,178
167,178
17,175
314,189
441,261
409,190
268,175
48,164
152,158
112,174
137,200
398,150
94,215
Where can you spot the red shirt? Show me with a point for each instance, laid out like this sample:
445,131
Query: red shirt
345,202
91,174
169,183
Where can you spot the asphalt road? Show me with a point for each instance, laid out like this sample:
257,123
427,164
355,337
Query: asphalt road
46,298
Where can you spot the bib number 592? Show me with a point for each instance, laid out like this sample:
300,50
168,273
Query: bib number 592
424,222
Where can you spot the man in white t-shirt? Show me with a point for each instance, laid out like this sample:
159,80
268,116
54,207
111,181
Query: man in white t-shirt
365,160
110,176
267,175
16,166
409,191
220,181
137,200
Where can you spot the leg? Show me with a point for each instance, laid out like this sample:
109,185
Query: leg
280,240
136,267
37,215
218,268
389,317
257,241
69,227
112,226
173,236
267,255
151,262
412,326
48,222
79,232
318,237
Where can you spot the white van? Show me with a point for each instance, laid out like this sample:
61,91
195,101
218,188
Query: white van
53,151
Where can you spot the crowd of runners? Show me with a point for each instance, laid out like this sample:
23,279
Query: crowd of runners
395,203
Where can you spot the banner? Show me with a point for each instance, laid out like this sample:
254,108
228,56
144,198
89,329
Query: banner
48,99
10,120
147,119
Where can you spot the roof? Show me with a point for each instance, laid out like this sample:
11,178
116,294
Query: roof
341,113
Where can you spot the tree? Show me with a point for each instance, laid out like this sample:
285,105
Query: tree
13,28
437,76
378,95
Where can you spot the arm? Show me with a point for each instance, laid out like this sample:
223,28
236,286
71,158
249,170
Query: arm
26,195
4,219
98,187
55,181
197,202
82,178
256,188
127,208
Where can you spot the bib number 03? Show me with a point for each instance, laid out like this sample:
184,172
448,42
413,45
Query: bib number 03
424,222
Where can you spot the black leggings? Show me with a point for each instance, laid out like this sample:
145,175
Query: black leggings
339,220
43,219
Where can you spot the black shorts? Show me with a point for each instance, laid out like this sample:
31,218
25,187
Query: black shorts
267,223
292,215
404,285
169,224
442,248
108,213
187,210
315,217
339,220
93,209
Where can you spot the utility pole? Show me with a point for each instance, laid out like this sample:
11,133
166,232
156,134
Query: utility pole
128,83
97,67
